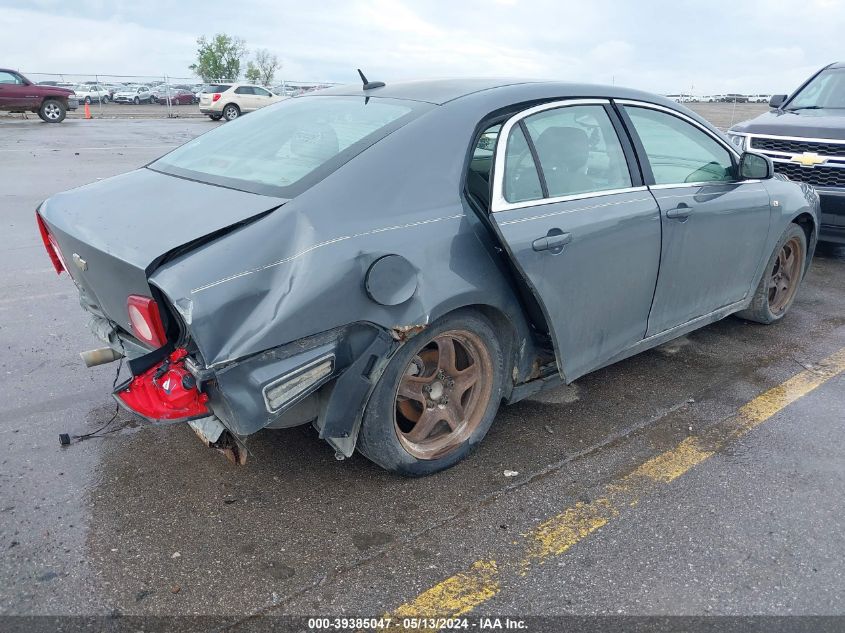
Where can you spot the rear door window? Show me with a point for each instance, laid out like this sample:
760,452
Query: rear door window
579,150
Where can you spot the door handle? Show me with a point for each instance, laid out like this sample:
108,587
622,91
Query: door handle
681,212
554,241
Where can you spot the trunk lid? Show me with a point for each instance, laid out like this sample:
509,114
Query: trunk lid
113,233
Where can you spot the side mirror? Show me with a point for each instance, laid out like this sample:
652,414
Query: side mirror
777,101
755,167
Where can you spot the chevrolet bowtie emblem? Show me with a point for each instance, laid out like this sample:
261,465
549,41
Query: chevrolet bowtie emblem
808,159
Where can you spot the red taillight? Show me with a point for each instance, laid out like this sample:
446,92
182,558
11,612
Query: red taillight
215,96
51,246
145,320
166,391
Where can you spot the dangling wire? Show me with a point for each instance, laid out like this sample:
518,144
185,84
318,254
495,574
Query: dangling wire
98,433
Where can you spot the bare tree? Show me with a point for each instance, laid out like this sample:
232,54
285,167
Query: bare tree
264,68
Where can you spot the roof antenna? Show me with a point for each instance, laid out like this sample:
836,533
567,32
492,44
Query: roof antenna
369,85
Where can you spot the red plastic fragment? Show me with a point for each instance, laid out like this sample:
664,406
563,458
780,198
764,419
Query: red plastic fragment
167,391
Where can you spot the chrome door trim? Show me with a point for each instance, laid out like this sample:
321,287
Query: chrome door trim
498,202
703,184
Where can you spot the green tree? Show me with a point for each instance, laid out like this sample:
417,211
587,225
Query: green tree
252,74
219,59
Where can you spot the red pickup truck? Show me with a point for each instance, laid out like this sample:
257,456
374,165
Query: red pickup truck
19,94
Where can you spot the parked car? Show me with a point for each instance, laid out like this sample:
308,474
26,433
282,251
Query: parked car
177,97
804,135
229,101
134,94
161,92
90,93
360,259
19,94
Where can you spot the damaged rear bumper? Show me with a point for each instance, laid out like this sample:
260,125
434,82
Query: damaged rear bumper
325,379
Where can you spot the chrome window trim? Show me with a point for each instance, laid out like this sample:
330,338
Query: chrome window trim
499,203
507,206
703,184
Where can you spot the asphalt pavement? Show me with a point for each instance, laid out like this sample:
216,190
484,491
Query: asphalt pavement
704,477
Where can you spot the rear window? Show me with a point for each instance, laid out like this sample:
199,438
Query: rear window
283,149
218,88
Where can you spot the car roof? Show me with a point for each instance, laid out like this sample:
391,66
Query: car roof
436,91
442,91
837,65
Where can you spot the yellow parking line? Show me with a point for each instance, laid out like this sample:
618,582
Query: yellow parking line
457,595
466,590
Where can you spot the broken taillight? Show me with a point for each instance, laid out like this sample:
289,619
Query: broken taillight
216,96
51,246
145,320
167,391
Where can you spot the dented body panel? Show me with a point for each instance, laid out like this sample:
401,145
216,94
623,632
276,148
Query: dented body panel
261,287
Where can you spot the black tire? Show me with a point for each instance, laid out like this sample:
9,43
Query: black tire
104,99
379,440
52,111
231,112
136,100
215,117
766,306
88,100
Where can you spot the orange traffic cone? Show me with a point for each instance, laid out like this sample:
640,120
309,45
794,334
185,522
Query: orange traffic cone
87,111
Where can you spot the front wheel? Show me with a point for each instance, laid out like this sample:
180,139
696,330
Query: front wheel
52,111
231,112
105,99
783,274
87,100
437,397
136,101
214,117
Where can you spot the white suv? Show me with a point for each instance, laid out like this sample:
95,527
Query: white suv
229,101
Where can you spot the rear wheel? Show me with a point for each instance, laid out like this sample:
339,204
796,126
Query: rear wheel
437,397
52,111
777,289
231,112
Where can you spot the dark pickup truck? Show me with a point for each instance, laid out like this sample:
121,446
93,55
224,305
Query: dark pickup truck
804,135
19,94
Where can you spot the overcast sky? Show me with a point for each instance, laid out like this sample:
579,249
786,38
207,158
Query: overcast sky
713,46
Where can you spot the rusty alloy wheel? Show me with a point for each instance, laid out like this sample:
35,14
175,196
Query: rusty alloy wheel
443,394
785,276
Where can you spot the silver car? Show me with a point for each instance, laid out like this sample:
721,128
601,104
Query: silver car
391,263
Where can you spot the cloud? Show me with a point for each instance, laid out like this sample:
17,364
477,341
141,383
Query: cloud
658,45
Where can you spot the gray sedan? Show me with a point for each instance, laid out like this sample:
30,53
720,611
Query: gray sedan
391,263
